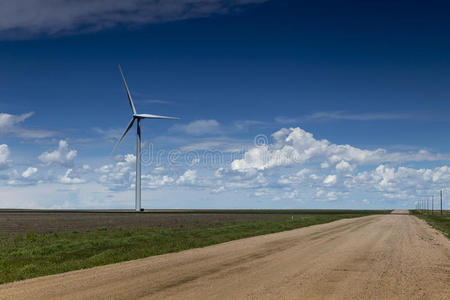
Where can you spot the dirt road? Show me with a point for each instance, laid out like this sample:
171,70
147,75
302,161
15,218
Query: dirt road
376,257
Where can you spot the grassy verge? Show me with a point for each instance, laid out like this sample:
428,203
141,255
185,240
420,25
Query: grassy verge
31,255
436,220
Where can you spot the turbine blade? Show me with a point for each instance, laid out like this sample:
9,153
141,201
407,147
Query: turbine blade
128,91
148,116
124,134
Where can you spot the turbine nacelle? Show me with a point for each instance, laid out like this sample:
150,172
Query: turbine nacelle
135,114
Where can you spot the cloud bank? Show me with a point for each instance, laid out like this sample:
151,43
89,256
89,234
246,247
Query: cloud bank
29,18
291,168
295,146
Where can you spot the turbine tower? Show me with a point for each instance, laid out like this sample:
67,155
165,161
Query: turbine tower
137,117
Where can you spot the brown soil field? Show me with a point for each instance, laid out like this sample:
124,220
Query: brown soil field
395,256
14,221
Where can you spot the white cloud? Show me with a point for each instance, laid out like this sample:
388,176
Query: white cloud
68,179
7,120
332,196
28,177
63,155
9,124
330,180
4,156
324,165
188,177
29,172
319,192
391,180
199,127
25,18
344,166
119,175
156,181
299,177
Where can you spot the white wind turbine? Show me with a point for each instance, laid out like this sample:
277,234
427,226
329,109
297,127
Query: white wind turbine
137,117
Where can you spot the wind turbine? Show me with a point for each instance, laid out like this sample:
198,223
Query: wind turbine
137,117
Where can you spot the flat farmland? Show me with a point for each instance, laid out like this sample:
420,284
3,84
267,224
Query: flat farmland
49,221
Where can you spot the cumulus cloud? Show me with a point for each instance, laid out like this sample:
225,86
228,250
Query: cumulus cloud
330,180
296,146
63,155
4,156
119,175
344,166
28,177
188,177
29,172
156,181
393,180
27,18
68,179
199,127
10,124
304,176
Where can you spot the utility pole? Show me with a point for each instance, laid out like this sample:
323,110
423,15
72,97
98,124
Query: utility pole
432,204
441,202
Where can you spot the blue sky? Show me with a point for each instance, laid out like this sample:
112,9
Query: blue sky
349,103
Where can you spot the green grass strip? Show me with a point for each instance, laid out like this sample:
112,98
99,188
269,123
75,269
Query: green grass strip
30,255
436,220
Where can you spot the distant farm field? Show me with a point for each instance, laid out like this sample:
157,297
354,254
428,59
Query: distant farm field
42,243
40,221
